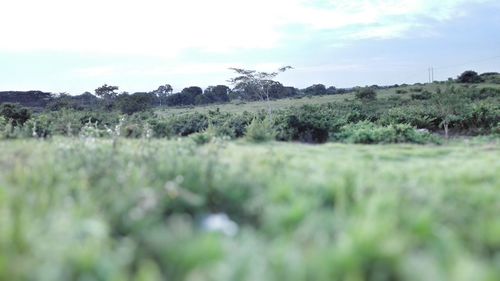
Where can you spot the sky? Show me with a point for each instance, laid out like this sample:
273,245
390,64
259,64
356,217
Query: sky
75,46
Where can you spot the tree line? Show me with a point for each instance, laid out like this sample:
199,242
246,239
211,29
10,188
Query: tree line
108,97
248,85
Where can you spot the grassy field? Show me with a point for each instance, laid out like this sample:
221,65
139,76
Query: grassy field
254,106
91,209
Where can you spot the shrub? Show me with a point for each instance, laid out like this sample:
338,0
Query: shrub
369,133
204,137
417,116
186,124
496,129
425,95
480,117
469,76
201,138
260,131
15,113
401,91
484,93
3,123
311,123
231,125
366,94
40,127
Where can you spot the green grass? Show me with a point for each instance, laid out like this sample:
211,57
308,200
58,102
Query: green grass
75,209
255,106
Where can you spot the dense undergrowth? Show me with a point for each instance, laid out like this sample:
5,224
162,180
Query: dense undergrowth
460,110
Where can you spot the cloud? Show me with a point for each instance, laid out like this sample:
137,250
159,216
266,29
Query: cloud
163,28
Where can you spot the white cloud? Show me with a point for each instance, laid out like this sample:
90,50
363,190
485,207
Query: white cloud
166,27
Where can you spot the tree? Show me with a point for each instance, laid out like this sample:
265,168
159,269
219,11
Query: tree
15,113
189,94
217,94
449,105
106,92
331,90
163,92
366,94
136,102
469,76
315,90
259,83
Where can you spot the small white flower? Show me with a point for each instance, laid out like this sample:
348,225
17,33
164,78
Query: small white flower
221,223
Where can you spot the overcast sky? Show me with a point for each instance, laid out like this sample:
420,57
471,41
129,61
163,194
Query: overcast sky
76,46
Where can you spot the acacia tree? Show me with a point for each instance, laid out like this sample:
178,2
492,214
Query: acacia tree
162,92
449,104
106,92
260,83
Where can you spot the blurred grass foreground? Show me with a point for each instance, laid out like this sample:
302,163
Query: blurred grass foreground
73,209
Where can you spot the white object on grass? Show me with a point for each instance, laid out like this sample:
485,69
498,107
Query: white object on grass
219,222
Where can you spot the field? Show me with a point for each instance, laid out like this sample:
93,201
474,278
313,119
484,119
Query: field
254,106
98,209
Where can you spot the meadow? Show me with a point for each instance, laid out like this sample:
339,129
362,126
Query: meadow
403,92
139,209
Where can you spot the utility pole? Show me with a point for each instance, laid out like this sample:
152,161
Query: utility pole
432,74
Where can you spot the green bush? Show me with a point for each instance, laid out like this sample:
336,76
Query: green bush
366,94
469,76
417,116
230,125
204,137
425,95
484,93
15,113
370,133
480,116
3,123
260,131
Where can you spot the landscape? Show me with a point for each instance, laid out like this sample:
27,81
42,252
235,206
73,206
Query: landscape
266,174
357,185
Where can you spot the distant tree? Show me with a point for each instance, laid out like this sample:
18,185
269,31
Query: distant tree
189,94
108,94
449,104
61,101
331,90
15,113
136,102
29,99
86,99
366,94
162,92
469,76
259,83
216,94
315,90
106,91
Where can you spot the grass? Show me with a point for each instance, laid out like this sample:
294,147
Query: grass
73,209
255,106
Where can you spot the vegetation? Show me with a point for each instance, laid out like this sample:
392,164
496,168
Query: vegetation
469,76
366,94
260,131
209,185
454,109
90,209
